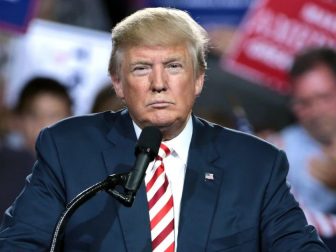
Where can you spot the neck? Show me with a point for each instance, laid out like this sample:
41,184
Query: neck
172,131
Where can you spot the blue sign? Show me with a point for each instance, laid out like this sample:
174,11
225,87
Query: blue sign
209,12
15,15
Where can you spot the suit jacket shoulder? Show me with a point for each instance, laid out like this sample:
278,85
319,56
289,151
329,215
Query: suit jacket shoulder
243,144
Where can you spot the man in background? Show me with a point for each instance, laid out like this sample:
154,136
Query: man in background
42,102
106,99
311,143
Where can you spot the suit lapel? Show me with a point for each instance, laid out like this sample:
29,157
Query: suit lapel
200,192
201,187
119,159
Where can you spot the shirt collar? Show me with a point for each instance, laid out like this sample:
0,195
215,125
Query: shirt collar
180,144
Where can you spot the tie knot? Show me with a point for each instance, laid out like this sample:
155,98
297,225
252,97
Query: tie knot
164,151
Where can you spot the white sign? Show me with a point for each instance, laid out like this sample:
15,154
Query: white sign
75,56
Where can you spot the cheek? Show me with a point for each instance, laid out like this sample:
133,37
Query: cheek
134,98
332,106
301,113
133,94
134,87
30,128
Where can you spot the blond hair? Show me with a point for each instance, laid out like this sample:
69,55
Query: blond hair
159,27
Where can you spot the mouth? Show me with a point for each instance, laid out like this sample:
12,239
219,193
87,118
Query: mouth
159,104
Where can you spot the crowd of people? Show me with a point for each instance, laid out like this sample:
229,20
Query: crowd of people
166,61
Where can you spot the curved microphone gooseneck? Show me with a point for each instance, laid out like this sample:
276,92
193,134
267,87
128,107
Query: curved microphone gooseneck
146,150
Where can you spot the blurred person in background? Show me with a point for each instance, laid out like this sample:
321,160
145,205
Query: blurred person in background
106,99
311,143
42,102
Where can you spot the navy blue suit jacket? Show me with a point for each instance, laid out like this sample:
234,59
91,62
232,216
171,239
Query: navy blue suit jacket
245,207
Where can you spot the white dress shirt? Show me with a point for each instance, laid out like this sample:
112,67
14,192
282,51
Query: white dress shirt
175,166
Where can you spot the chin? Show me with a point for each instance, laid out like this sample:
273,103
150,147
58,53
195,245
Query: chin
162,124
157,123
162,118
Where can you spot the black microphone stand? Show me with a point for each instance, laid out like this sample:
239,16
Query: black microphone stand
107,185
147,148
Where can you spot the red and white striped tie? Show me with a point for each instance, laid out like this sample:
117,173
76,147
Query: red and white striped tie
160,205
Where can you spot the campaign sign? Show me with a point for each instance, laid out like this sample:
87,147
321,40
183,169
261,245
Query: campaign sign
77,57
273,32
15,15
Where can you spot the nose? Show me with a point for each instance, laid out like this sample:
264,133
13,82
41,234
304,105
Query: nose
158,79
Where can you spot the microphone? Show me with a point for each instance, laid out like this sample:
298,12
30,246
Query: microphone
146,150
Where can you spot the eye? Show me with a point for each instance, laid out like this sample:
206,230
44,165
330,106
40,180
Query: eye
175,67
140,70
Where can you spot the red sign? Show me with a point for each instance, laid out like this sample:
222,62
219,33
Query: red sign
273,32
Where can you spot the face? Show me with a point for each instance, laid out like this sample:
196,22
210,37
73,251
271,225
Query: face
159,86
44,109
314,103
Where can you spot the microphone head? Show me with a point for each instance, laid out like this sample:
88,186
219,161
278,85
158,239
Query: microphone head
149,141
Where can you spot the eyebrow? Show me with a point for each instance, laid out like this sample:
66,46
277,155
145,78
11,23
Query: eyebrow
169,60
140,63
165,62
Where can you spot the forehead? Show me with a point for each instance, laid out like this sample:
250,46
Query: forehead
156,53
318,80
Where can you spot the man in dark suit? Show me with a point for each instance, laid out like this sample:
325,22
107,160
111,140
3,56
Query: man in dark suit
229,189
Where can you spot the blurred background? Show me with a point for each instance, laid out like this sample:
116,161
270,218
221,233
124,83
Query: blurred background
70,40
253,42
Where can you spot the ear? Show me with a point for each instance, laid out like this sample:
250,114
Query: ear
199,84
117,85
